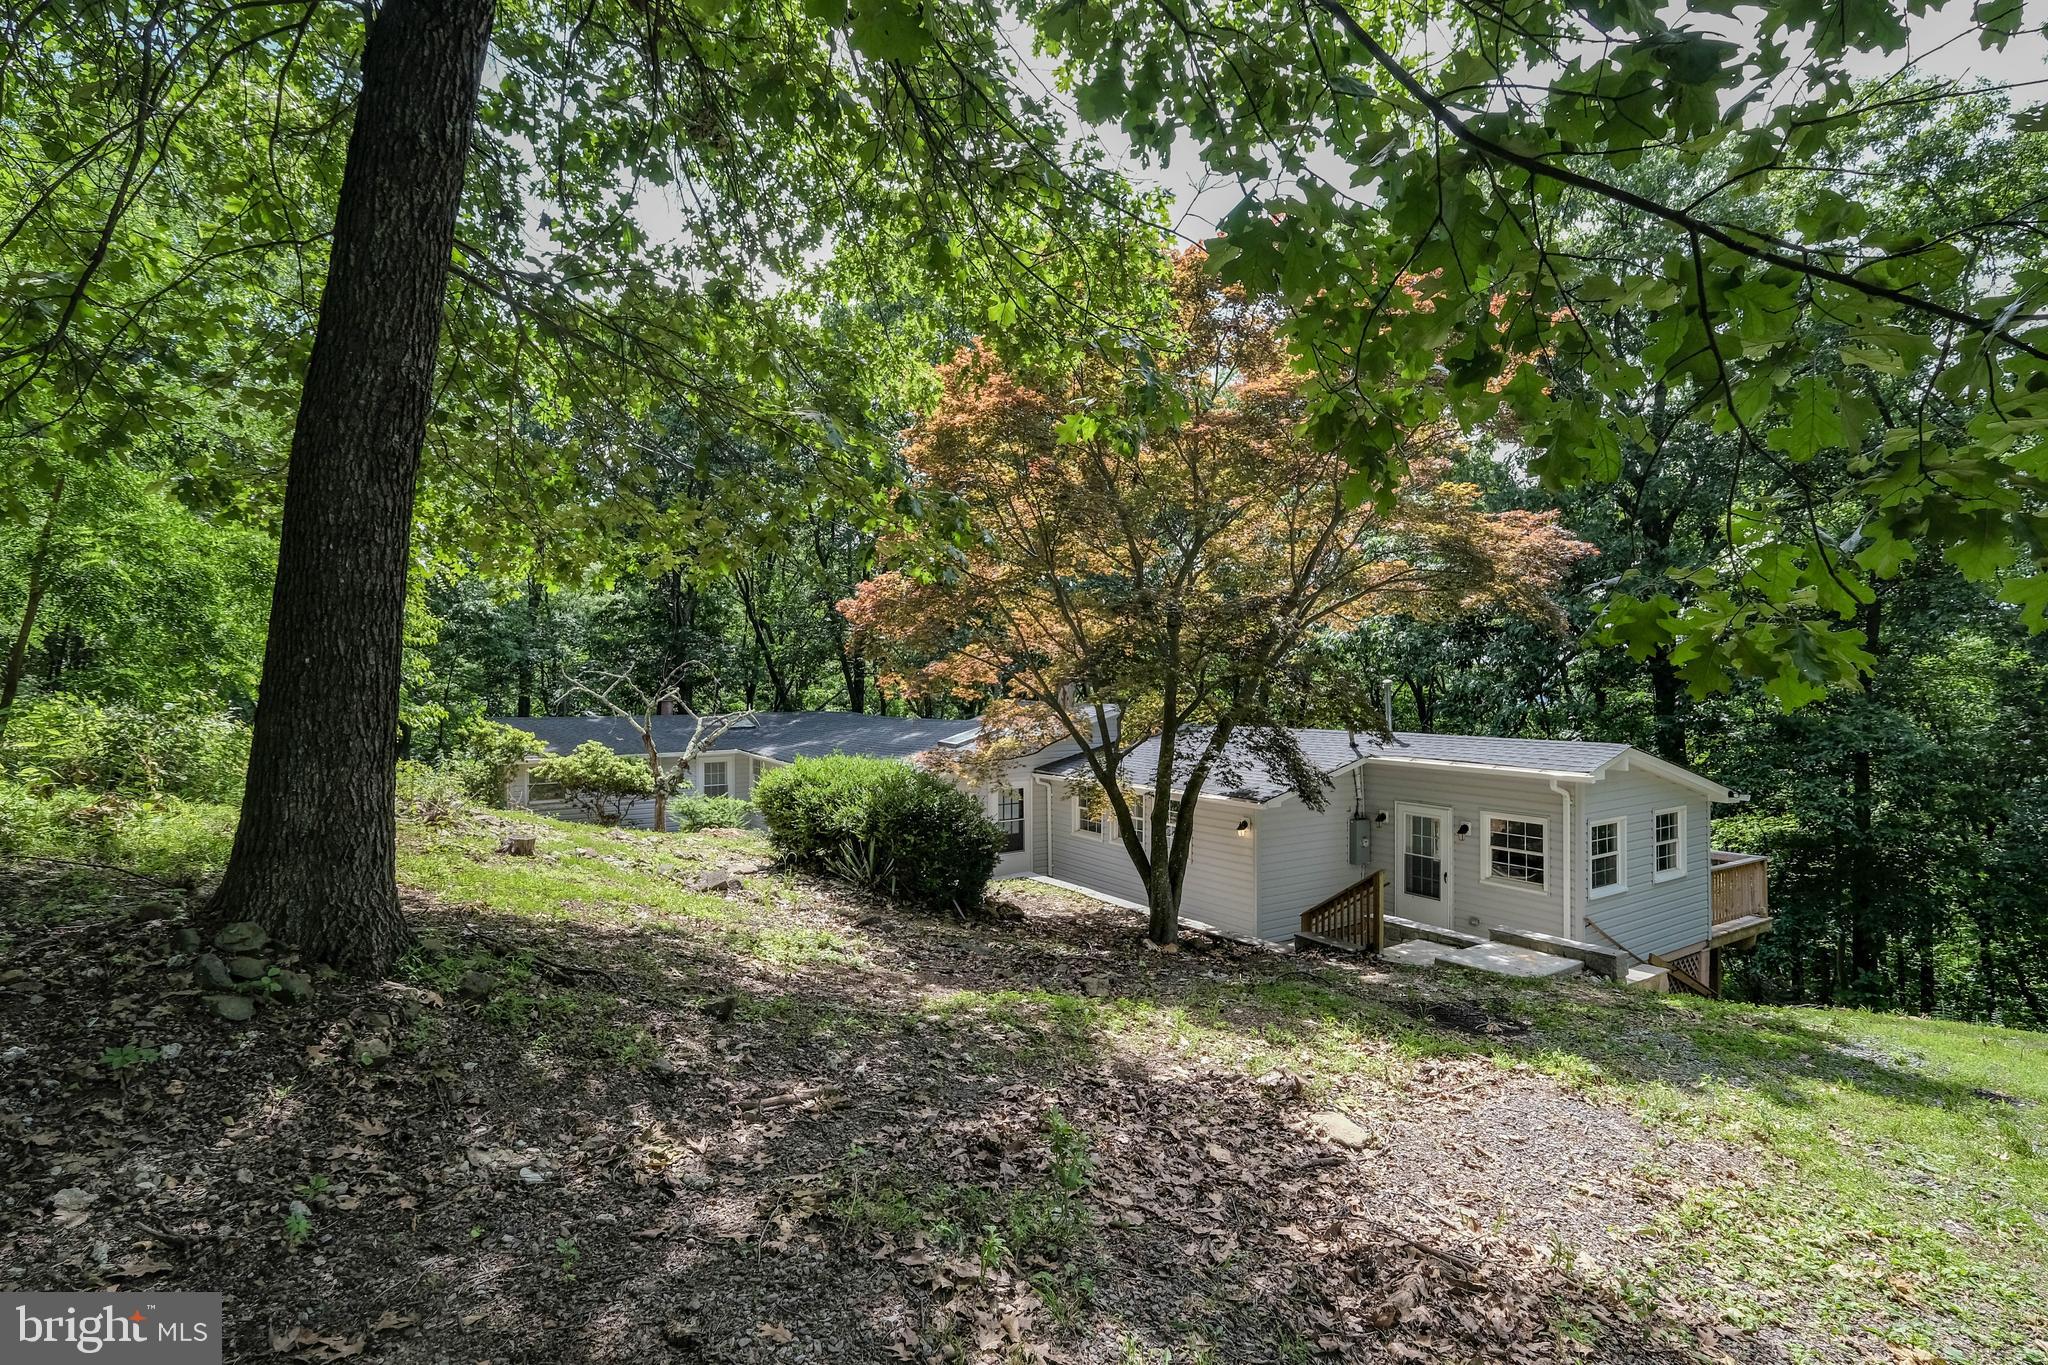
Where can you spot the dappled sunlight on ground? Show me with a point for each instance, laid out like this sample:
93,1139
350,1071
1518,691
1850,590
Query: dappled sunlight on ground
623,1115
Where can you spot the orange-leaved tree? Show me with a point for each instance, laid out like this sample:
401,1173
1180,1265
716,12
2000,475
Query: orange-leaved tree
1155,537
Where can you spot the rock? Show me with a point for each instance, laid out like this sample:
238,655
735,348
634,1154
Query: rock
188,940
476,985
721,1009
676,1332
170,1052
243,936
294,988
717,880
1342,1129
211,973
13,1055
372,1049
532,1177
247,968
237,1009
1097,986
1280,1084
12,975
70,1201
376,1021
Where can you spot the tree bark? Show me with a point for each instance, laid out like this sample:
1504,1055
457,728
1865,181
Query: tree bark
38,583
536,597
1667,730
1866,935
315,855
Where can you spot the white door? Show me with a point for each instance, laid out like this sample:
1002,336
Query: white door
1422,864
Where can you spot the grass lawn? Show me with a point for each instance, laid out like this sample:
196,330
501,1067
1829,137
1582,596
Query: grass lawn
599,1107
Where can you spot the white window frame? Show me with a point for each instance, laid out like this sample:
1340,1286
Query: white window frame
1620,823
1486,873
724,767
753,770
1173,814
1081,831
995,815
1669,873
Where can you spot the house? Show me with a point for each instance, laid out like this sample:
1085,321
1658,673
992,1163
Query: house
765,740
1595,850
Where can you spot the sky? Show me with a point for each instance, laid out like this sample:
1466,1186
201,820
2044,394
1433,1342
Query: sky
1940,45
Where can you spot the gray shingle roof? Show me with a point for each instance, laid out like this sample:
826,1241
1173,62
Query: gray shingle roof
780,735
1246,776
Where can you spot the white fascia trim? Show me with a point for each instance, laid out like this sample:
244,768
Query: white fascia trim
1057,779
1685,777
1458,765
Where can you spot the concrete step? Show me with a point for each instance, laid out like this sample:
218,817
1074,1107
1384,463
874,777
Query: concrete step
1505,959
1418,952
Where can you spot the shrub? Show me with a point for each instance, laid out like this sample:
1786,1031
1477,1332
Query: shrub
597,781
191,747
483,757
888,826
430,795
709,812
165,837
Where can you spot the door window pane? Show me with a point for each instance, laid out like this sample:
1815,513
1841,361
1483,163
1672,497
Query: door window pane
1421,866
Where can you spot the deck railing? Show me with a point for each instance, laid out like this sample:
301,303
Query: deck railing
1355,916
1741,886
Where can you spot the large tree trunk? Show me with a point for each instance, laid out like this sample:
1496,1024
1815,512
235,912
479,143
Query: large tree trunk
529,638
1866,930
1667,729
315,854
38,583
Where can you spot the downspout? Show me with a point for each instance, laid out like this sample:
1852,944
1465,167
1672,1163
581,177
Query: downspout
1571,839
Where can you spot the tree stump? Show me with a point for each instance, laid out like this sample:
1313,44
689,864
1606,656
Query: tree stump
518,845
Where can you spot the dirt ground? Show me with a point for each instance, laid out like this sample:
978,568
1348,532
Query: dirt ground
901,1138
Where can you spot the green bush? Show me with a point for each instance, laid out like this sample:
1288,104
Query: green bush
191,747
165,837
709,812
597,781
427,794
888,826
483,758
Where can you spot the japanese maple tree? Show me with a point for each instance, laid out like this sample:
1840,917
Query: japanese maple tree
1156,536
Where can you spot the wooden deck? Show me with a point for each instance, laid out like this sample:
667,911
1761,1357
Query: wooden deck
1741,898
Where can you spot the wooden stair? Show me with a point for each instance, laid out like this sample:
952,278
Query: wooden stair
1354,918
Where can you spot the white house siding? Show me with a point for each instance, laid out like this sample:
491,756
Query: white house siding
1304,858
1221,887
1477,906
1651,916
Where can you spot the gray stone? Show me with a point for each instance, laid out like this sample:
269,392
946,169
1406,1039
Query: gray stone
294,988
211,973
188,940
239,1009
247,968
243,936
372,1049
1342,1129
476,985
1096,985
717,880
1503,959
